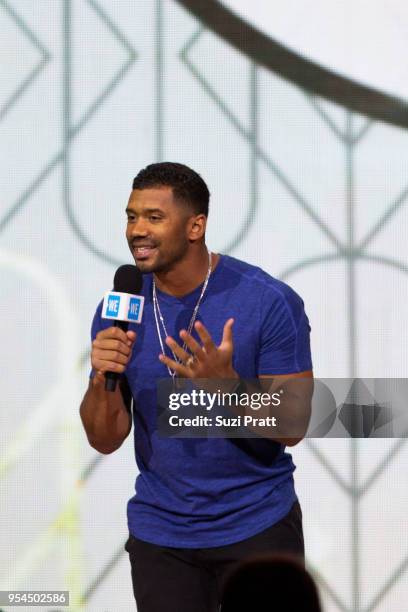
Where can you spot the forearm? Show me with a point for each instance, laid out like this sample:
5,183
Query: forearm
104,416
285,417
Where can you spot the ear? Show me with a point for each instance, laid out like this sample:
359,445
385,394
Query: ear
196,227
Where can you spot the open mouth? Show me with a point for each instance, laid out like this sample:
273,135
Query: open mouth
143,252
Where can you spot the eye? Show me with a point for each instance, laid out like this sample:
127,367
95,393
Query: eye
154,218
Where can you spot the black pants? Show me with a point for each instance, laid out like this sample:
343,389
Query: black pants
190,580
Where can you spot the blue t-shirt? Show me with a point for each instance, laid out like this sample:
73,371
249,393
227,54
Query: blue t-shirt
199,493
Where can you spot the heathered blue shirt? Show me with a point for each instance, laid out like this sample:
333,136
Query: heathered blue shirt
199,493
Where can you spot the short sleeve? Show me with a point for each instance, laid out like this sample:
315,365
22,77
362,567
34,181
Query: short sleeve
99,323
284,333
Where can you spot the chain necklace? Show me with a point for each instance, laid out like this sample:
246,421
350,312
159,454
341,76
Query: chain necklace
158,314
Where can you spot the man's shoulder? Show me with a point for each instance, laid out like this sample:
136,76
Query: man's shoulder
248,271
258,278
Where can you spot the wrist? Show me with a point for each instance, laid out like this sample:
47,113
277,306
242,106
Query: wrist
231,374
232,381
239,387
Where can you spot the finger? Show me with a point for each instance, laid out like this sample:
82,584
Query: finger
177,349
108,366
173,365
106,355
112,345
131,335
192,344
205,337
227,331
113,333
99,378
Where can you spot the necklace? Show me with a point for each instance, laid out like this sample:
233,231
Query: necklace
158,315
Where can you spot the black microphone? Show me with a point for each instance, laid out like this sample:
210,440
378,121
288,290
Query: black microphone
123,305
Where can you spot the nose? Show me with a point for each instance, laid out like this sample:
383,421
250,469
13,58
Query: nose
138,228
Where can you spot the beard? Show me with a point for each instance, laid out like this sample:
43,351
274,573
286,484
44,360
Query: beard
161,262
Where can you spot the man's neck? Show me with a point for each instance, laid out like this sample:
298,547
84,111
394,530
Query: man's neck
187,274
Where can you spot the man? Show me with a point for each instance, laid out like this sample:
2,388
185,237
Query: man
201,505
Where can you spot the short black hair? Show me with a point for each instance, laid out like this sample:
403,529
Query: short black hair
187,185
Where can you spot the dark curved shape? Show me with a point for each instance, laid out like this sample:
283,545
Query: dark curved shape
295,68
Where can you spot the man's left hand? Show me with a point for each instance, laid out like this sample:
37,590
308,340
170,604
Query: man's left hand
205,361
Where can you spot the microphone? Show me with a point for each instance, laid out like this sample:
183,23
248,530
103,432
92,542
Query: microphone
123,306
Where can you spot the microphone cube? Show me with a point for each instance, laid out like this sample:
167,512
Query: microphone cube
123,307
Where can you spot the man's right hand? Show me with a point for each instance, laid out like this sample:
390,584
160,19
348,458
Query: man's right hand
111,351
